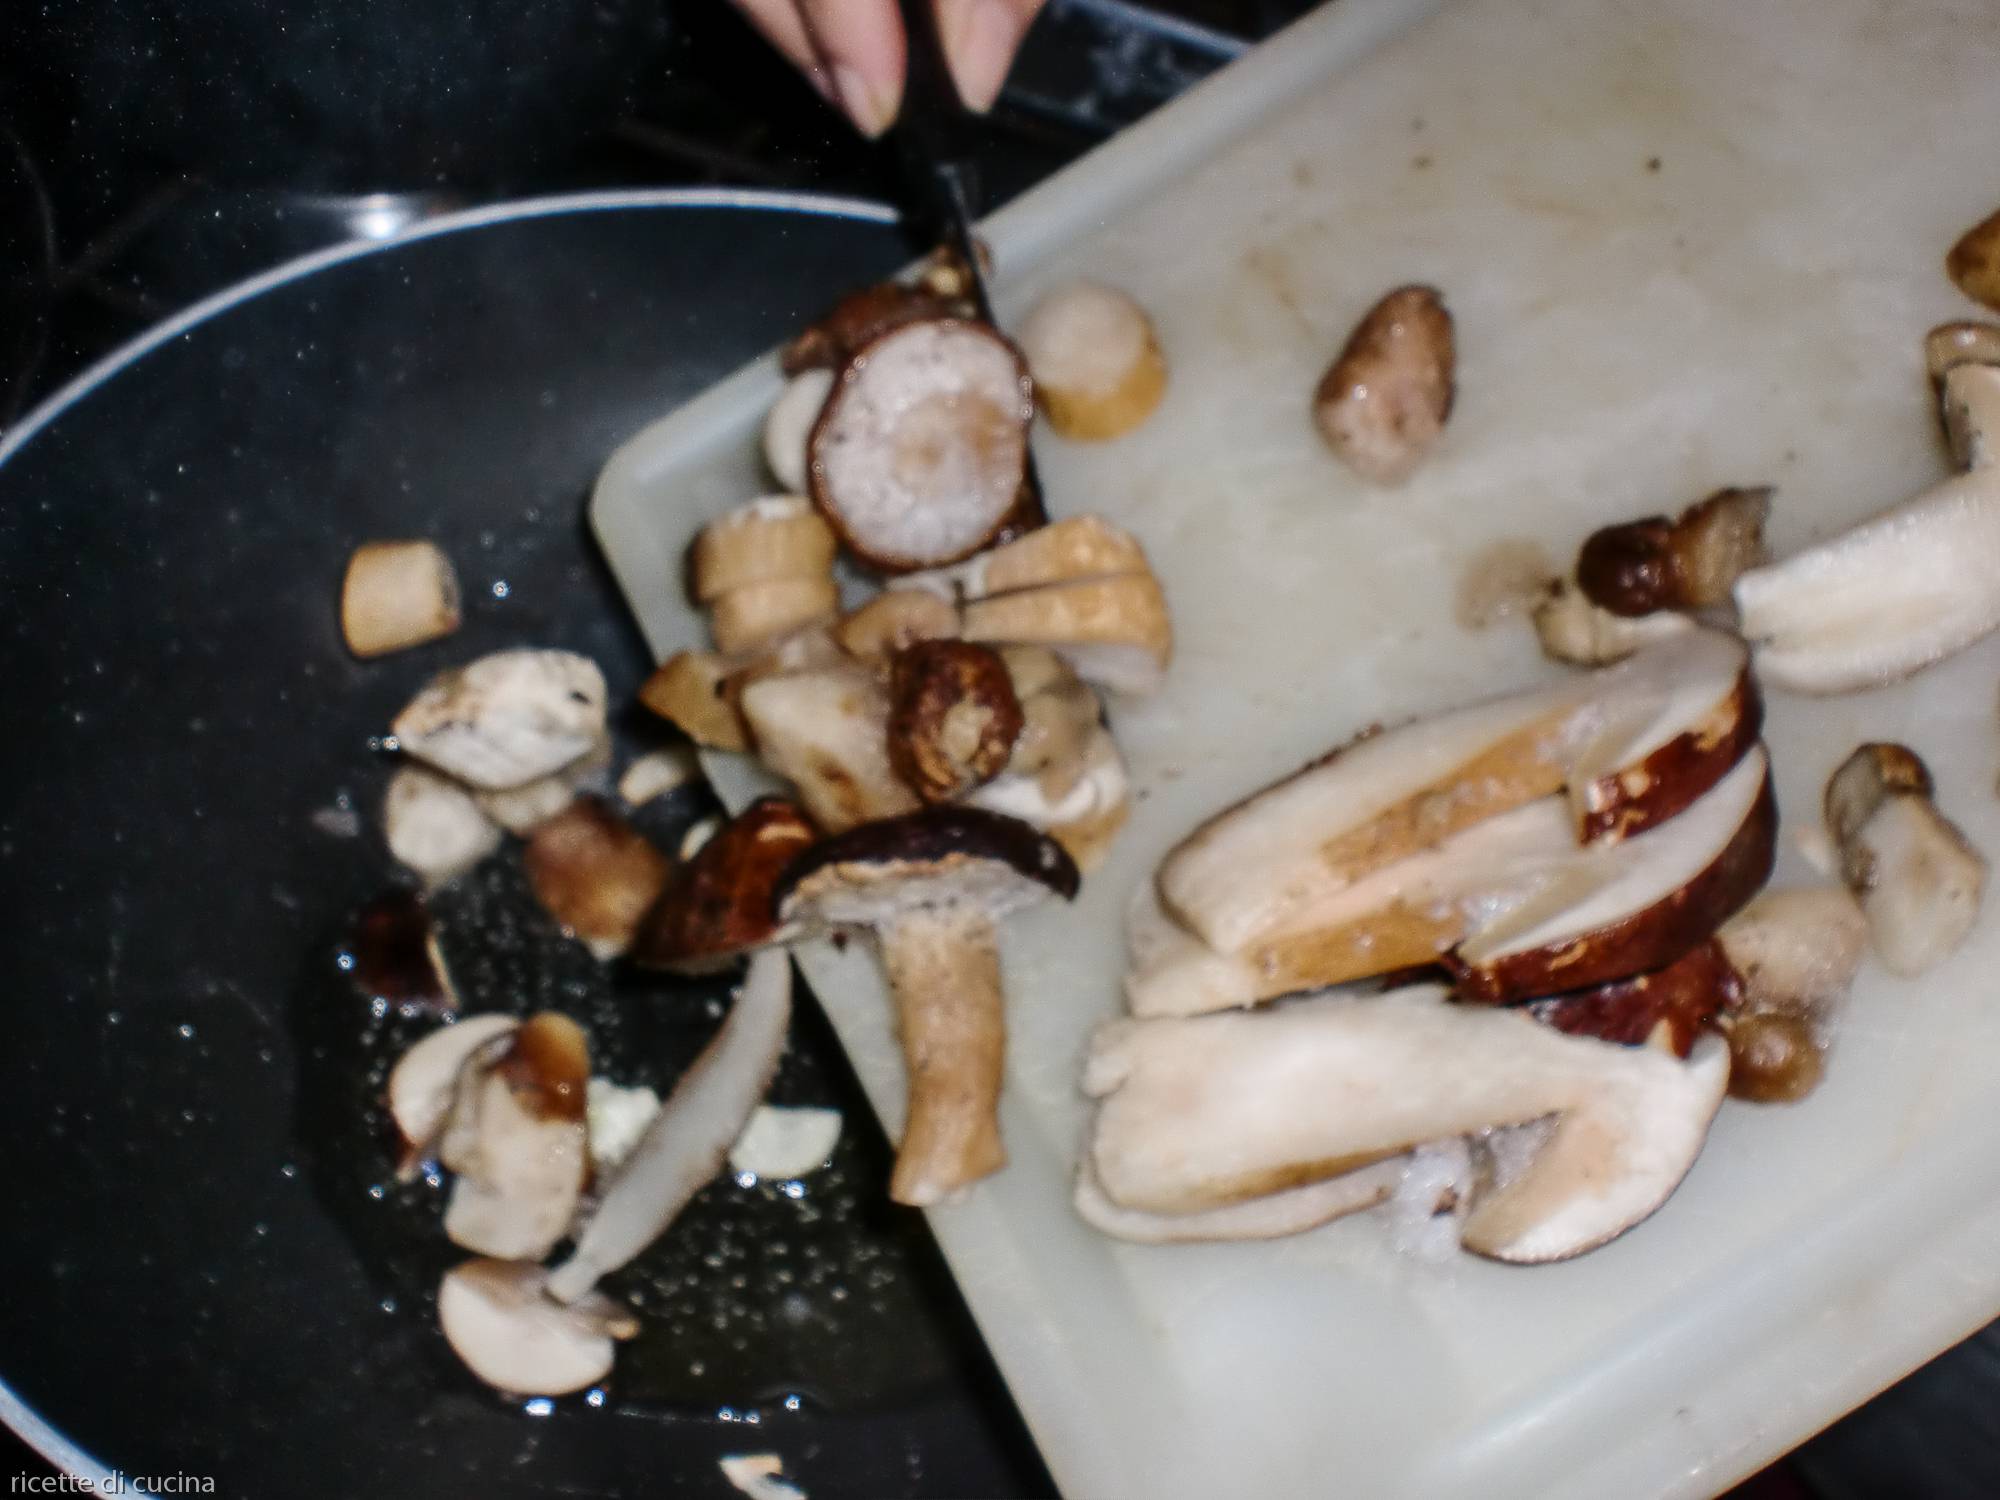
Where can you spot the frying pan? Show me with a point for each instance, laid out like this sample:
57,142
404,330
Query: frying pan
206,1268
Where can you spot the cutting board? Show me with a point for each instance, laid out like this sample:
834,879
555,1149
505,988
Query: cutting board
1687,245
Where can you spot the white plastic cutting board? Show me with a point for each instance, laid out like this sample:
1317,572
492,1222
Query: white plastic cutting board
1687,244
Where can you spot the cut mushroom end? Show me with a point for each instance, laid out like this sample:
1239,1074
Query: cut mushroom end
1383,403
953,717
397,958
1574,630
826,730
1973,263
1608,1164
895,619
920,453
690,690
757,615
426,1078
595,874
500,1322
397,595
1097,364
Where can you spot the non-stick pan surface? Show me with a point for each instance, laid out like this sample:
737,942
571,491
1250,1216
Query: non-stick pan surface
202,1273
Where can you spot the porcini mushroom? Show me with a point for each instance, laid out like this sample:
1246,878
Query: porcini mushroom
506,718
921,451
1291,1211
687,1140
1904,589
1639,567
826,730
1919,881
1796,951
516,1137
1973,262
1113,631
499,1320
788,426
1200,1113
434,826
953,717
721,905
1096,360
397,595
1572,629
595,874
1382,404
426,1078
931,887
397,958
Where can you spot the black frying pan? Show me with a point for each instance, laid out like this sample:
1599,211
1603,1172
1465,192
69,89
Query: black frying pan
200,1276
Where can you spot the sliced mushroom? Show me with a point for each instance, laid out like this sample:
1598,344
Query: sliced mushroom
752,617
1668,1006
396,956
1200,1113
1898,592
595,874
499,1320
826,730
1096,360
1973,263
658,773
1636,743
932,886
953,717
426,1078
786,1141
1074,549
1641,567
1796,951
524,808
434,826
1574,630
690,690
1081,801
1112,631
506,718
1291,1211
894,619
618,1116
921,451
1382,404
516,1137
789,424
397,595
862,317
1919,881
685,1144
721,904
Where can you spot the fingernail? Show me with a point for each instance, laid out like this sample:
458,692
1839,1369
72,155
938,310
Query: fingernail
980,38
867,106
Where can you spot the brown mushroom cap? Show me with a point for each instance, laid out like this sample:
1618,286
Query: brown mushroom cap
953,717
919,455
719,905
942,856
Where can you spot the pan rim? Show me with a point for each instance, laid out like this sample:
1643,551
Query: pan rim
34,1429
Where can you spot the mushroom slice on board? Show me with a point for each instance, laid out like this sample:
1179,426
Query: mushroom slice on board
1901,590
686,1143
516,1137
1638,568
1096,360
1572,629
920,453
721,904
498,1318
932,887
1199,1113
1634,744
788,426
506,718
826,730
1292,1211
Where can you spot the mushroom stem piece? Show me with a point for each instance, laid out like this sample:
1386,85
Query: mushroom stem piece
944,972
932,886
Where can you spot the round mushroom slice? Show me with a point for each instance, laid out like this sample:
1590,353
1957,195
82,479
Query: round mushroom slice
932,886
920,451
499,1319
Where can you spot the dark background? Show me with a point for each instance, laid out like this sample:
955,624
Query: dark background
152,153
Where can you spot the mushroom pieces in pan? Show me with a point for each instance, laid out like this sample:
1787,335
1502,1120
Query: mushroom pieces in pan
931,887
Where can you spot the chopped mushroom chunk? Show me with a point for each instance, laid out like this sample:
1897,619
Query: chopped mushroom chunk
689,690
1097,364
1573,629
953,717
932,887
787,1141
426,1079
595,874
826,730
1382,404
506,718
1919,881
397,595
434,826
499,1320
721,904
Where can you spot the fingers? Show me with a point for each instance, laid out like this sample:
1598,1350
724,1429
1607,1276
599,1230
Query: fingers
980,40
860,43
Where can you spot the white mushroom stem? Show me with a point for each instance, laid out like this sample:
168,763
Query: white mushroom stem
506,718
1900,591
944,973
1292,1211
687,1141
497,1319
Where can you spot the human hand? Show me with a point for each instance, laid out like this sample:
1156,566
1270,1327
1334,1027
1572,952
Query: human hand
854,51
